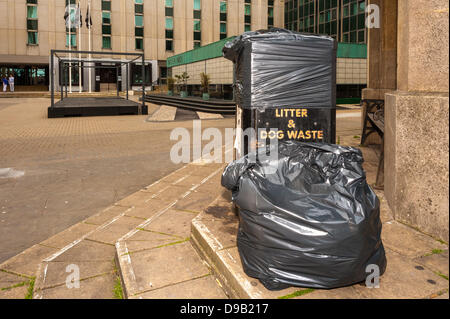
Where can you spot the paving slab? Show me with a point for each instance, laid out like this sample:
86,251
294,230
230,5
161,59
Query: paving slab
208,116
114,231
8,280
87,251
28,261
163,114
143,240
106,215
15,293
137,199
93,288
435,261
338,293
196,201
404,279
407,241
69,235
442,296
161,267
152,207
202,288
56,272
173,222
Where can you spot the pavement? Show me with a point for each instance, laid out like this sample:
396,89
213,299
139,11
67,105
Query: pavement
176,238
417,264
68,169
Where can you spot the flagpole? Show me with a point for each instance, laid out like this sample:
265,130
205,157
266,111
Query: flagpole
70,49
80,76
89,35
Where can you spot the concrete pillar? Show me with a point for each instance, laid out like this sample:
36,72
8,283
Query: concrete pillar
416,119
381,57
382,52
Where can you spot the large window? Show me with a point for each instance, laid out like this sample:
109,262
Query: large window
106,24
197,23
270,13
353,23
344,20
32,22
223,19
169,25
248,15
136,73
328,21
71,35
139,24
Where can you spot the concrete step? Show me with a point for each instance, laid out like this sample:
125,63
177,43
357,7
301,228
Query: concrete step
156,259
417,263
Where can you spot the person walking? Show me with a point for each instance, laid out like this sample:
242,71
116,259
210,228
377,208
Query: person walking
5,83
11,83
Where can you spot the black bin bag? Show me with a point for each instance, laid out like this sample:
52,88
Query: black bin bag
307,218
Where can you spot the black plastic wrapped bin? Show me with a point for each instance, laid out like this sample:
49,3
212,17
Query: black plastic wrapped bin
277,71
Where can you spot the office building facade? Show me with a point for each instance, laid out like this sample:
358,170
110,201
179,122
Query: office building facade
159,28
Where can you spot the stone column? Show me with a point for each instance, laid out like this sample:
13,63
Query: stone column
382,52
416,119
381,57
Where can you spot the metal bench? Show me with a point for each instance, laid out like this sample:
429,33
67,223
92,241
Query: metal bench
374,123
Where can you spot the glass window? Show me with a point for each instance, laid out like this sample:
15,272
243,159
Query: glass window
223,28
106,5
106,17
139,32
169,23
223,6
197,36
197,45
169,34
32,1
169,12
73,41
248,9
247,28
139,44
169,3
139,1
270,12
138,8
32,38
362,6
197,5
32,12
106,29
361,36
139,21
106,44
32,24
197,26
169,45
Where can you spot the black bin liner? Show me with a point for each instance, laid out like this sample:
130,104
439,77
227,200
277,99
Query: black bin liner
313,221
